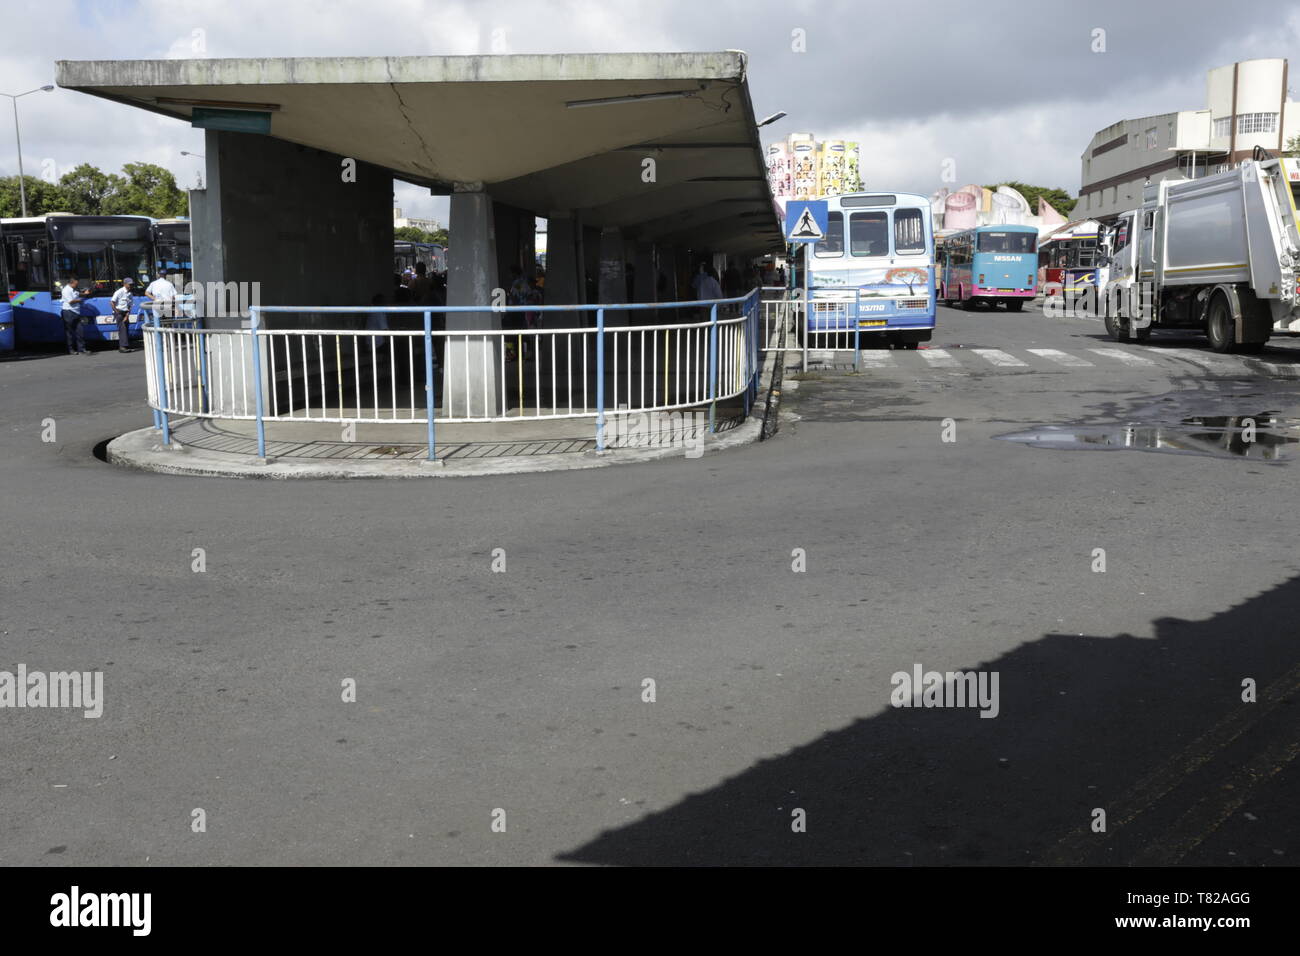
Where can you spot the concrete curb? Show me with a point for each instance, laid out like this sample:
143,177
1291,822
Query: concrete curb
143,450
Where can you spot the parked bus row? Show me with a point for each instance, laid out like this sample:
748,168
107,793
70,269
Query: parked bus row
406,255
39,254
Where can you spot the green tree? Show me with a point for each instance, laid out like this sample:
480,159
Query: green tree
42,197
412,234
147,190
1058,199
1292,147
90,190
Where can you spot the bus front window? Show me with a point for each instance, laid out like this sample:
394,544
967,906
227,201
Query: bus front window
131,258
88,261
1008,242
909,232
832,247
869,234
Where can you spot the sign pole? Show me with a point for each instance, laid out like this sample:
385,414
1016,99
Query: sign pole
807,302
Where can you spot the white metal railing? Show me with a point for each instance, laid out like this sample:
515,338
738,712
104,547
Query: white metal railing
425,375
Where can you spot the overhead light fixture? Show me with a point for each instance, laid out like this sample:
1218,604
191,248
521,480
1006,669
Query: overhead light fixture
633,98
772,119
217,104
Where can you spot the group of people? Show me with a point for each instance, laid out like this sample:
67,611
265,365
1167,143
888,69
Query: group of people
418,287
161,293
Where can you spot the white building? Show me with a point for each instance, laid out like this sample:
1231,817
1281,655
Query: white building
1246,106
401,222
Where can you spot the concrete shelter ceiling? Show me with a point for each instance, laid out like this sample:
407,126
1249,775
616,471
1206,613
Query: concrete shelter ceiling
503,121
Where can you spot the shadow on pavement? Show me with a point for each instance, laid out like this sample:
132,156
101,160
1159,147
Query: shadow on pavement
1154,731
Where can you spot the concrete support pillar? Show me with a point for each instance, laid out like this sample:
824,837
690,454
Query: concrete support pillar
470,386
562,260
644,275
613,273
278,225
668,266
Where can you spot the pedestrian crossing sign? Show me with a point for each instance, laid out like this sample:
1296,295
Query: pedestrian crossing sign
805,220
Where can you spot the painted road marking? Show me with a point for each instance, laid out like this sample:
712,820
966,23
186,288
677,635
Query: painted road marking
874,359
939,358
1061,358
998,357
1128,358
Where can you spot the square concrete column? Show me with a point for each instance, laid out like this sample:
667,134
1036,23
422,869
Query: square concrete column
470,385
613,273
562,272
278,224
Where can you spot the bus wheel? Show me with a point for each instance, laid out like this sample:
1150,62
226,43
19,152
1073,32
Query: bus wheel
1116,327
1218,325
904,344
1015,305
968,304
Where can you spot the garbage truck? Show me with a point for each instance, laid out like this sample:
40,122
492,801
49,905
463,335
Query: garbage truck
1217,255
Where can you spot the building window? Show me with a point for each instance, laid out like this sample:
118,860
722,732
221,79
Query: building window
1223,126
1151,138
1256,123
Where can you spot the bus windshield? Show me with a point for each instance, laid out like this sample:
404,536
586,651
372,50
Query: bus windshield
869,233
1007,242
101,254
833,245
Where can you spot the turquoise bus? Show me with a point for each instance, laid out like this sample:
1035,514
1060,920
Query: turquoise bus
990,264
874,271
43,252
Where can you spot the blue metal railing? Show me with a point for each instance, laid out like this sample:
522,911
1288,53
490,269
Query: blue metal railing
743,353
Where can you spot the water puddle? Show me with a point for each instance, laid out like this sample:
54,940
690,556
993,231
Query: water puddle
1184,424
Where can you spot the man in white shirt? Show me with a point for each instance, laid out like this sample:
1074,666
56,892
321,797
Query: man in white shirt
70,303
162,296
121,303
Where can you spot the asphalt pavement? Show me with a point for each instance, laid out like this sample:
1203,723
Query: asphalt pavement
520,696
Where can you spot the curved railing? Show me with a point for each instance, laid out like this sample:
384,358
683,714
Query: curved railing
423,374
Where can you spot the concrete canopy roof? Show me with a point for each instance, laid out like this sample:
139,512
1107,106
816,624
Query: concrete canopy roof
517,124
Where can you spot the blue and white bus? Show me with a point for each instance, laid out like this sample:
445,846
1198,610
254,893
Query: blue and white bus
990,264
874,271
6,309
43,252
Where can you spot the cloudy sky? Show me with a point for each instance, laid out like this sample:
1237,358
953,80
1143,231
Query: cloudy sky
1008,90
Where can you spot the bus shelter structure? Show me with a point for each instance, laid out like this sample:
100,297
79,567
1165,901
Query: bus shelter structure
642,164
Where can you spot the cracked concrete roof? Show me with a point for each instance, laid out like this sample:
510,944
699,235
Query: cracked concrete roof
522,125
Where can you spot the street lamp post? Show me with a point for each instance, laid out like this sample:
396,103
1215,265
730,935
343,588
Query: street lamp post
185,152
22,188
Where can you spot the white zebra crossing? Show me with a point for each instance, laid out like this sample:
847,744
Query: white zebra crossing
940,358
948,358
1128,358
1061,358
998,357
874,359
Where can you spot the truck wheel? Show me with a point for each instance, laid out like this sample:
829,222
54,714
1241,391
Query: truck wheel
968,304
1218,325
1116,327
1015,305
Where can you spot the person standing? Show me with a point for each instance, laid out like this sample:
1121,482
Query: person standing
121,303
162,296
70,303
